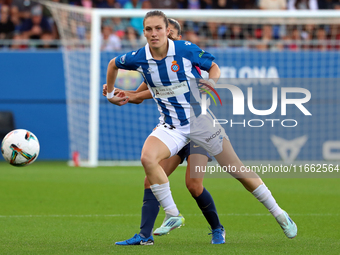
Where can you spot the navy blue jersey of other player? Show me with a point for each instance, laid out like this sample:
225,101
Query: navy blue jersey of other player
169,79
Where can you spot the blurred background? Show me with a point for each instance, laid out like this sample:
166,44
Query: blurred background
32,79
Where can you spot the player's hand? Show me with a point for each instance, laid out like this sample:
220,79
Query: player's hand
205,85
104,90
119,99
117,90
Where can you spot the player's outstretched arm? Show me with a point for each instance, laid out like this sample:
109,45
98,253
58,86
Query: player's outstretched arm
121,98
135,97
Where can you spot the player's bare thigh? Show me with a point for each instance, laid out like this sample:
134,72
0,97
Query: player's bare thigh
154,150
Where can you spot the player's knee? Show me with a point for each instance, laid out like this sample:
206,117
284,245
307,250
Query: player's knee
147,160
194,187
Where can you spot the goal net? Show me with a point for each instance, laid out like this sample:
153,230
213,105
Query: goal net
260,49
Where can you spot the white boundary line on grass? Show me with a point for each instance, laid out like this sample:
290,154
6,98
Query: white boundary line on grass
138,215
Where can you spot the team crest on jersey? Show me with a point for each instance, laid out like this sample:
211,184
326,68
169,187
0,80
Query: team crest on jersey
122,59
175,67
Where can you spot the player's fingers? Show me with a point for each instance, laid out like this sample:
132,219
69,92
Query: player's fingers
204,89
125,101
104,90
202,82
120,94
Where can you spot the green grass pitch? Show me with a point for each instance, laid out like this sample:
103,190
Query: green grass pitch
50,208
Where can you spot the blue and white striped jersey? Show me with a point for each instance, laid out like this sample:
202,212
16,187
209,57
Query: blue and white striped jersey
169,79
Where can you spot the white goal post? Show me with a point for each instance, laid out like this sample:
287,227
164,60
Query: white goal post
85,68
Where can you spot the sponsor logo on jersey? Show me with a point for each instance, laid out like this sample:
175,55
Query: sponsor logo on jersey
201,54
174,90
175,67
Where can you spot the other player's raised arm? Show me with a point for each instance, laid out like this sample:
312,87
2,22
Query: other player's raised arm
214,72
140,94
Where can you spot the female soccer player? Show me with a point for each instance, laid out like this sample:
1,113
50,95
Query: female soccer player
191,152
168,66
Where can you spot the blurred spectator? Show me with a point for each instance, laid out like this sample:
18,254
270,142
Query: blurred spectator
248,4
321,36
136,23
163,4
207,4
191,31
335,36
131,38
325,4
295,39
266,38
47,42
303,5
211,33
335,32
6,25
190,4
226,4
146,4
47,14
5,2
122,2
34,27
336,4
106,4
25,16
272,4
78,29
120,26
236,32
308,32
15,18
109,40
191,36
17,42
24,7
86,3
100,3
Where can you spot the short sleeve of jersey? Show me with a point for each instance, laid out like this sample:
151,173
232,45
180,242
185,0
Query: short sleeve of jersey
127,61
201,58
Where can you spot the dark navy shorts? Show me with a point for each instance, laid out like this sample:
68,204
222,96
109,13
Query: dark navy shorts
192,148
